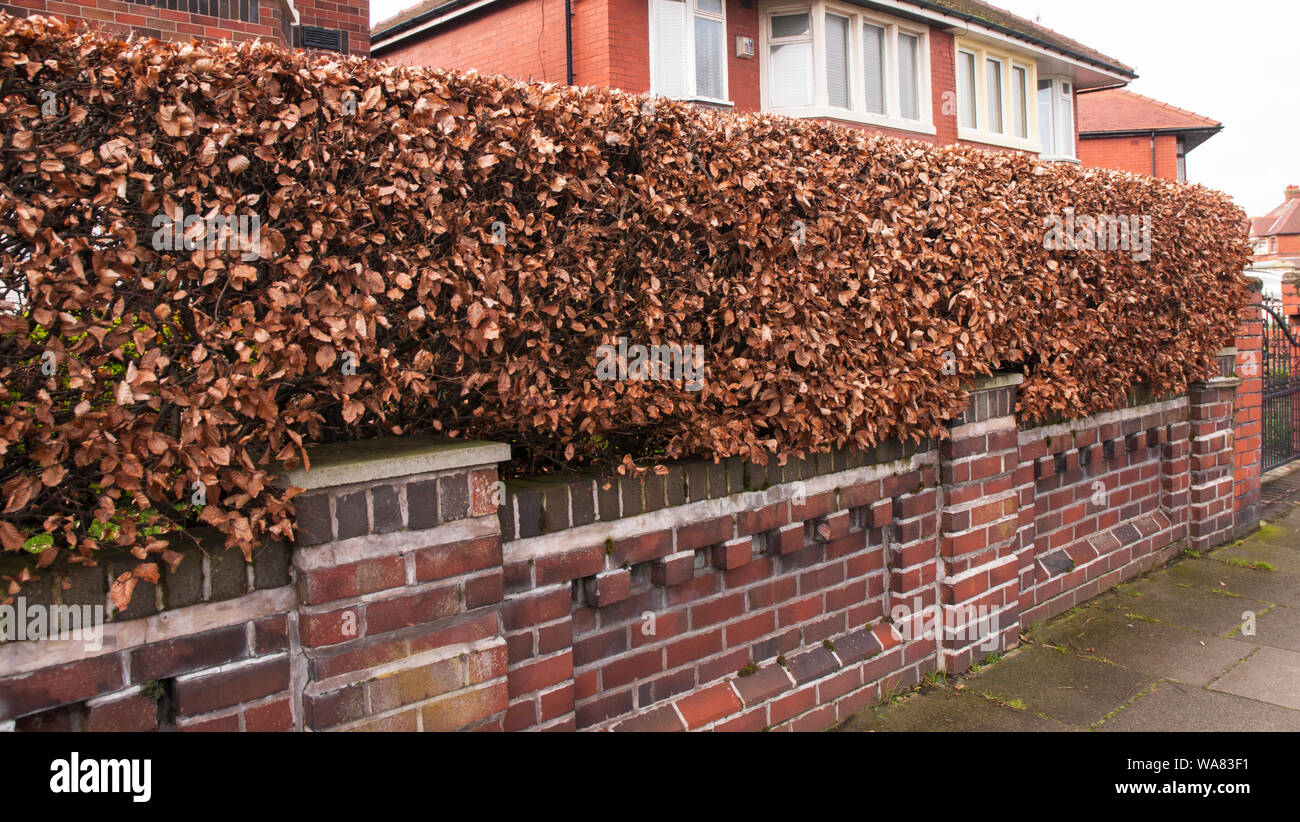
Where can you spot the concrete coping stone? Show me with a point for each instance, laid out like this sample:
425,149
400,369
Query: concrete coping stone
995,381
1220,382
348,463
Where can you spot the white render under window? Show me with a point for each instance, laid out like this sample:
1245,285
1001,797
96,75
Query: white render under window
824,59
688,49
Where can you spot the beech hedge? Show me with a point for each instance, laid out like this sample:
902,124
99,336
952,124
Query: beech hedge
425,251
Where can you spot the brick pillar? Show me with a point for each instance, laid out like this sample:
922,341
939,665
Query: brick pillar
400,582
979,587
1290,296
1176,479
1249,413
1213,462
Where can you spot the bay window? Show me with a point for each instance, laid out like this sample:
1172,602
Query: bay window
823,59
994,104
688,49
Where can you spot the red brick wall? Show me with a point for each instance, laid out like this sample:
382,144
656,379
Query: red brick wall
122,18
724,595
523,39
203,649
1131,154
352,16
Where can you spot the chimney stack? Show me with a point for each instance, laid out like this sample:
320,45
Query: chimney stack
1292,193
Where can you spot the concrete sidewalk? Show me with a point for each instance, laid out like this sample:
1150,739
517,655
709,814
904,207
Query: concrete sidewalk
1168,651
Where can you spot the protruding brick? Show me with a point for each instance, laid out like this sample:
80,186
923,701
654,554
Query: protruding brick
673,569
733,553
607,588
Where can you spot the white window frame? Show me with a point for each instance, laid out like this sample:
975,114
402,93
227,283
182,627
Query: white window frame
982,131
1061,101
692,11
974,89
1004,91
857,110
1030,99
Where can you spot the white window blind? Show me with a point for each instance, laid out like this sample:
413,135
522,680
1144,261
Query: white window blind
791,61
709,55
909,70
837,60
1020,100
1065,121
688,48
966,89
1046,116
993,75
873,46
671,64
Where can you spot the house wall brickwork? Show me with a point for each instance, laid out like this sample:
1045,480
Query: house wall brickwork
182,20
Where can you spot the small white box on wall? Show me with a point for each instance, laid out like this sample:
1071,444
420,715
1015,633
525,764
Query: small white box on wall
745,47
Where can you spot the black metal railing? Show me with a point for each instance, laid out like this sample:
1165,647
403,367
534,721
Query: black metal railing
1281,387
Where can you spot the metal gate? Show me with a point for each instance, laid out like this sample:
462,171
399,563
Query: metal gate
1281,387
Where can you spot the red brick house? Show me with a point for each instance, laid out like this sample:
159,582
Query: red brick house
1277,234
945,71
1276,237
320,25
1123,130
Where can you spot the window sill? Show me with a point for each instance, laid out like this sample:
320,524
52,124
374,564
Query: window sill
847,116
1001,140
708,101
1052,158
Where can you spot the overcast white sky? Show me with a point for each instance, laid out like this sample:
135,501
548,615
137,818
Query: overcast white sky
1234,62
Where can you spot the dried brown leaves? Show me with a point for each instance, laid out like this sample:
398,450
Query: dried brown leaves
829,276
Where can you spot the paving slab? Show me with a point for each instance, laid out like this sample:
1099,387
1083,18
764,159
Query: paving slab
944,709
1279,627
1284,558
1173,706
1270,675
1164,651
1273,586
1159,599
1059,685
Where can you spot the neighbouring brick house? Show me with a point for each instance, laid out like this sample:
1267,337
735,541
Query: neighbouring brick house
1276,237
944,71
1277,234
314,24
1126,131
